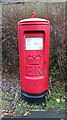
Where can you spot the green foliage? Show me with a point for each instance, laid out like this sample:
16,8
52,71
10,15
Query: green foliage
19,110
54,100
54,66
8,96
1,93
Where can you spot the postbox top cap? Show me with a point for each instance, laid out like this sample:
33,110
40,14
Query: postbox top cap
33,19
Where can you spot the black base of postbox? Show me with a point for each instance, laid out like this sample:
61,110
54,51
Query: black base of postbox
33,98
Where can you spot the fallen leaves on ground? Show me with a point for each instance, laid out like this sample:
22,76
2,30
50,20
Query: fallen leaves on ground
58,100
9,113
26,113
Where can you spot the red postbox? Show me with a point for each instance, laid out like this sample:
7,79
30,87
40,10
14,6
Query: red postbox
33,38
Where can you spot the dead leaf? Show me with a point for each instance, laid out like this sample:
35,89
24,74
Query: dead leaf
10,113
49,92
59,94
63,100
26,113
9,63
58,100
6,113
5,69
61,88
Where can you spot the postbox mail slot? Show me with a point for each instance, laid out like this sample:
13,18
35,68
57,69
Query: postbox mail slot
34,43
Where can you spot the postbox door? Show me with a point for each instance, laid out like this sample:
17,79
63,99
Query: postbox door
34,60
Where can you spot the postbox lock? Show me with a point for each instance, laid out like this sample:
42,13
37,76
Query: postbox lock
44,62
33,15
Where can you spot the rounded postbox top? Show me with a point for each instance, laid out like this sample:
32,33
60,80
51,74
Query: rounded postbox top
33,20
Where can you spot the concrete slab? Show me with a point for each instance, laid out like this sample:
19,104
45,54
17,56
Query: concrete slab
41,115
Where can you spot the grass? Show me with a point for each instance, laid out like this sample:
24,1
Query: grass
54,100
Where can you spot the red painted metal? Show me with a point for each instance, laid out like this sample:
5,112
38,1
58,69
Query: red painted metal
33,15
34,64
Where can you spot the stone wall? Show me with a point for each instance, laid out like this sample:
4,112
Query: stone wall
32,1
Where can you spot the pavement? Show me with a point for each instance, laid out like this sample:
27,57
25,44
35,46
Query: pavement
41,115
